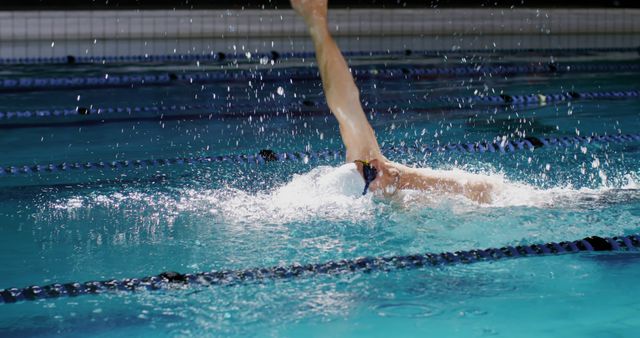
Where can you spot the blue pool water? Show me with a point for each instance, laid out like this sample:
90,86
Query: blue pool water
101,224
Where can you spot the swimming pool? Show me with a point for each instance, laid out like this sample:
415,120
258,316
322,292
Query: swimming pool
123,220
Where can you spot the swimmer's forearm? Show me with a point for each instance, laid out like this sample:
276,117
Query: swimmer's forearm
342,95
337,82
339,87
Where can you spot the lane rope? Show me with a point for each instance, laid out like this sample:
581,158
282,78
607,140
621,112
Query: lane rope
174,280
305,73
267,156
275,56
457,101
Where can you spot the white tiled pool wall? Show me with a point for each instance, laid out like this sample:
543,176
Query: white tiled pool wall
153,32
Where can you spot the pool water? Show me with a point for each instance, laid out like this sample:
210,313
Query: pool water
103,224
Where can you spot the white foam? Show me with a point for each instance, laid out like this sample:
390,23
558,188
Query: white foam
324,192
518,194
332,193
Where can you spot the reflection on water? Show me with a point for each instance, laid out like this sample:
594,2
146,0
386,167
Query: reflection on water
71,227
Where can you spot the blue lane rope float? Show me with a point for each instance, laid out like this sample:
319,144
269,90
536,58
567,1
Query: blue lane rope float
174,280
274,55
265,156
541,98
496,100
300,73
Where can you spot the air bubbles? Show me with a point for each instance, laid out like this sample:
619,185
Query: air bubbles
280,91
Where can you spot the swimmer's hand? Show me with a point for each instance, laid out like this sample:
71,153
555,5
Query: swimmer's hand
311,10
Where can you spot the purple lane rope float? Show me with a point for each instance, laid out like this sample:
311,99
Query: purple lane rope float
266,155
174,280
301,73
274,55
479,100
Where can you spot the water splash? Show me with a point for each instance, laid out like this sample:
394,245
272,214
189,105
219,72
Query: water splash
323,193
334,194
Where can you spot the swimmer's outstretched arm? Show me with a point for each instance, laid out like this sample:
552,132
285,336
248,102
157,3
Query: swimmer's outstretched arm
340,90
358,136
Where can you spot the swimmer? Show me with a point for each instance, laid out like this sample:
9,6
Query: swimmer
343,98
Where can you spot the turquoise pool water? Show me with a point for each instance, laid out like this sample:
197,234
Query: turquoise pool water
103,224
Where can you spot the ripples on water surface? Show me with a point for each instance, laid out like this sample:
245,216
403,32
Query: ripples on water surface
69,228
